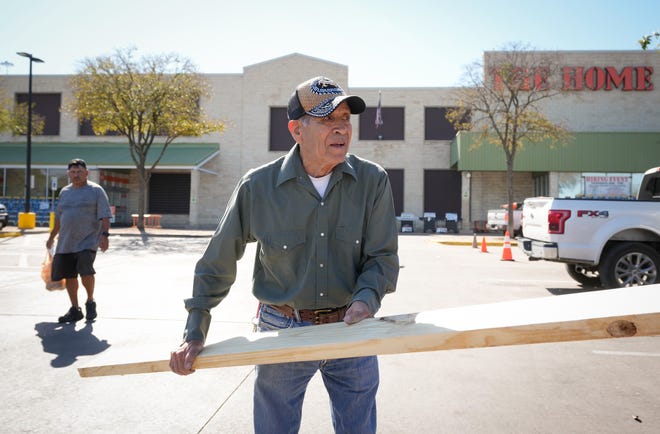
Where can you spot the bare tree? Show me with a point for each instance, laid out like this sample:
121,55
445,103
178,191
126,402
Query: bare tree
153,100
503,103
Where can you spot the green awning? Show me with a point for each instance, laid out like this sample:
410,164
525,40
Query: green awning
584,152
105,155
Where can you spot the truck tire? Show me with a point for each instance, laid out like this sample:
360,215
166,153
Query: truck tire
584,275
629,264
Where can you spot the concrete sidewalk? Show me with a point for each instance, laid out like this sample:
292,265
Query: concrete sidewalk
13,231
492,239
540,388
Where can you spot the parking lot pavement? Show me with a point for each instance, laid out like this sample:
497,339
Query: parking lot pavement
593,386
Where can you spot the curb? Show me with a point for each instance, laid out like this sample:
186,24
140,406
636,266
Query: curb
465,243
122,232
10,234
167,235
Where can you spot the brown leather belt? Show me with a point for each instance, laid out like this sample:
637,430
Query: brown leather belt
315,316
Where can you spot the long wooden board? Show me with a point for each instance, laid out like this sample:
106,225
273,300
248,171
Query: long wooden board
614,313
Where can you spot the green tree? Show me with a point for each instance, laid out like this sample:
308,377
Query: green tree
504,103
154,99
646,40
5,115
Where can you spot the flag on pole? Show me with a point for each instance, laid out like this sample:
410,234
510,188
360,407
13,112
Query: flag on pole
379,116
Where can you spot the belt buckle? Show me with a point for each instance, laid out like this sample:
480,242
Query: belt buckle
319,312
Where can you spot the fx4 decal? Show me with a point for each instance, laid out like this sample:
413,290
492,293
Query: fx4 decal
591,213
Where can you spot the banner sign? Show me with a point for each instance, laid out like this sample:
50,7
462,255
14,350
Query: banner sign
608,186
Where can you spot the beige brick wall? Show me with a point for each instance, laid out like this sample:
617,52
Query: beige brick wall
244,100
489,191
269,84
413,154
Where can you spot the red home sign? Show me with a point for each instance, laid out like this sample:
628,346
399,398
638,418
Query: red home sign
607,78
629,78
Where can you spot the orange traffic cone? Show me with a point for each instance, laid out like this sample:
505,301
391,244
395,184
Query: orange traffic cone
484,249
474,241
506,253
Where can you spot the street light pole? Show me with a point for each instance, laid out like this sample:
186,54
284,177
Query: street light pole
6,64
28,164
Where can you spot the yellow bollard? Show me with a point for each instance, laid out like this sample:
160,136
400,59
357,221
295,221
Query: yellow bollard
27,220
51,223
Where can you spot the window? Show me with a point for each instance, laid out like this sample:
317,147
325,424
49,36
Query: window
541,184
280,138
169,193
85,129
391,129
46,105
15,183
651,189
436,125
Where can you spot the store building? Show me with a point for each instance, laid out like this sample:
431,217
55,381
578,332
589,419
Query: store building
610,107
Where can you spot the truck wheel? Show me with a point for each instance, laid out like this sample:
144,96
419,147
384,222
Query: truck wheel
584,275
629,264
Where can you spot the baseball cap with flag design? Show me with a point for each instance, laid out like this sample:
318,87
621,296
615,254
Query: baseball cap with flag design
320,96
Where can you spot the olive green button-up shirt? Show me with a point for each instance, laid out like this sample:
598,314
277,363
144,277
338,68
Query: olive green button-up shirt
312,252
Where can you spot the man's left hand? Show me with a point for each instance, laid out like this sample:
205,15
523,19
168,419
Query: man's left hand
357,312
103,243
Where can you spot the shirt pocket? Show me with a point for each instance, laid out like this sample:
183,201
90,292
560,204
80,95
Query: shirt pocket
282,258
349,241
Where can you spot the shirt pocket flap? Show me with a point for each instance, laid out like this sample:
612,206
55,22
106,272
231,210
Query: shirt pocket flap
348,234
285,242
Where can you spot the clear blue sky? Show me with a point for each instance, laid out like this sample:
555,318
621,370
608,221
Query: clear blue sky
385,43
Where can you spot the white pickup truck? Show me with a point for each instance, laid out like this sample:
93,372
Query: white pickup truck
498,219
604,243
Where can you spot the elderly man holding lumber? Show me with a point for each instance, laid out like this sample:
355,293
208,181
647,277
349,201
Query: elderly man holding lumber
327,252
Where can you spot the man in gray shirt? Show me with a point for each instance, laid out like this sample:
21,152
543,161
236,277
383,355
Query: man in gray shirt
325,228
82,220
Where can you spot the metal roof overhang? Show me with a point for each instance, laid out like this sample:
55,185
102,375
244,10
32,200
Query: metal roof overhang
632,152
182,156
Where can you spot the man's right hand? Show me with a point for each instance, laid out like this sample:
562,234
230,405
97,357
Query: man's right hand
181,359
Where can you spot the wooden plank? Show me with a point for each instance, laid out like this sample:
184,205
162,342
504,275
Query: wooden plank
614,313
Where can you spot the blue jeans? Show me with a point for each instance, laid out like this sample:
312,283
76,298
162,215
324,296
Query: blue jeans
279,389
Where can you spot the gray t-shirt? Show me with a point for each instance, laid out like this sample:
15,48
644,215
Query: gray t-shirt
80,211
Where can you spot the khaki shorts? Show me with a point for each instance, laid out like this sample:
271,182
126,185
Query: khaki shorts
69,265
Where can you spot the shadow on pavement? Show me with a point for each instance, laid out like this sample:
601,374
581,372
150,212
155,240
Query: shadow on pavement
67,343
564,291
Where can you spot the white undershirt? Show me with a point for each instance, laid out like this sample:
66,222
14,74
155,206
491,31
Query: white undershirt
321,184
